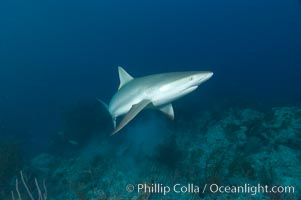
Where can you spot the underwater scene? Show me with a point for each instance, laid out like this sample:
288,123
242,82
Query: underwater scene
150,100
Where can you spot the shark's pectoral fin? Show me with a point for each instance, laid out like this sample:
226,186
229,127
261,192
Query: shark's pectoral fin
168,110
131,114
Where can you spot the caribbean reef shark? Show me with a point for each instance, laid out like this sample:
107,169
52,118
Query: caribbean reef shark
153,91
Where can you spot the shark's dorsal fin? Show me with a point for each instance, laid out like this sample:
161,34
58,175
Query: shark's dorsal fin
168,110
131,114
124,77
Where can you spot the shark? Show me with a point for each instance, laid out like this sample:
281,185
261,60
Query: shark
156,91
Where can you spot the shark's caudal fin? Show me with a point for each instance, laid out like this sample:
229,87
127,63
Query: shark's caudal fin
107,109
123,76
131,114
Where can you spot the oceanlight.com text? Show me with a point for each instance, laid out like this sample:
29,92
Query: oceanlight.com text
157,188
253,190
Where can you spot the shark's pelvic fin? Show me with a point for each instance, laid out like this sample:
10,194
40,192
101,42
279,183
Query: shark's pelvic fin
131,114
123,76
168,110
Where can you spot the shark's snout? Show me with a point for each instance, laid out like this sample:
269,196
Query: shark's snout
203,76
208,75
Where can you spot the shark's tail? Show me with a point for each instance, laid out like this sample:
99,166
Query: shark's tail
107,109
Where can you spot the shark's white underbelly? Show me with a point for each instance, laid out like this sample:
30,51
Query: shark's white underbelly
158,99
170,96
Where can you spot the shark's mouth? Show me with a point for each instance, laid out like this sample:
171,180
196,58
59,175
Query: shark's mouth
190,89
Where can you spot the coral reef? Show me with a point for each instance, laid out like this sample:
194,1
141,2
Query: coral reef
41,190
234,147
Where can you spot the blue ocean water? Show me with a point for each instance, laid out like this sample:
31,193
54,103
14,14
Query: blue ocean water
58,57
